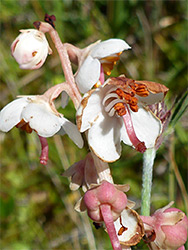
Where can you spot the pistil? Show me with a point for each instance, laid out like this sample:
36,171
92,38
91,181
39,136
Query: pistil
109,223
44,150
139,146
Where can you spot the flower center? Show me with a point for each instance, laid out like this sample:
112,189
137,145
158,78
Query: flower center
109,62
117,98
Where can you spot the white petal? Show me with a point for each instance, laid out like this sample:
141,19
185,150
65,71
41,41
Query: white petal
133,227
88,74
104,138
123,134
72,131
147,128
10,115
151,98
42,119
109,47
89,109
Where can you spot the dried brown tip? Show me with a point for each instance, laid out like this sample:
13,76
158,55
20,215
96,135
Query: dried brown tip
50,19
37,24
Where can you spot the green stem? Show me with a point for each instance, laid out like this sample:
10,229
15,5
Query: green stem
148,161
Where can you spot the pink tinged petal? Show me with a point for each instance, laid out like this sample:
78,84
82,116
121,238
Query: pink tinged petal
129,227
10,115
109,223
172,218
41,118
181,248
88,74
149,220
109,47
44,150
89,110
104,138
72,131
176,229
76,172
90,173
104,193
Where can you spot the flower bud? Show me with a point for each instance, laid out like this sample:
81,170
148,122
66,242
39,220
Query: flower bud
176,235
105,193
30,49
169,227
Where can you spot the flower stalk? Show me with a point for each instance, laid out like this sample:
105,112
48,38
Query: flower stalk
64,57
103,169
148,162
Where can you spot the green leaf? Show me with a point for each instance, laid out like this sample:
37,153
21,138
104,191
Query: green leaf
180,107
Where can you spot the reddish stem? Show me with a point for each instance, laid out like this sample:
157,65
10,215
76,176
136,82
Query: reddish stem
108,220
64,57
44,150
139,146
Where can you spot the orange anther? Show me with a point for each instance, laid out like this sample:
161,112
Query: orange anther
120,109
141,90
34,53
143,93
120,93
122,230
24,126
133,101
134,108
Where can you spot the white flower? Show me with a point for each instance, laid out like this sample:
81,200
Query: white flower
30,49
36,113
129,228
98,57
116,112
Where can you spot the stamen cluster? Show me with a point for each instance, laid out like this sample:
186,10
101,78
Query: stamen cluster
118,98
109,62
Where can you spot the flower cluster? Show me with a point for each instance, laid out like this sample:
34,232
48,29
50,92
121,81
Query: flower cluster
112,110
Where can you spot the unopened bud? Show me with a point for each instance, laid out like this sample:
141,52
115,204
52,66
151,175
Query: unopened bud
30,49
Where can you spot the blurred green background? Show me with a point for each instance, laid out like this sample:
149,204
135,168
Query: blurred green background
36,204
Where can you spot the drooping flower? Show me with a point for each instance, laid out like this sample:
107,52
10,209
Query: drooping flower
38,113
88,172
107,202
117,111
166,228
34,113
96,60
82,173
30,49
